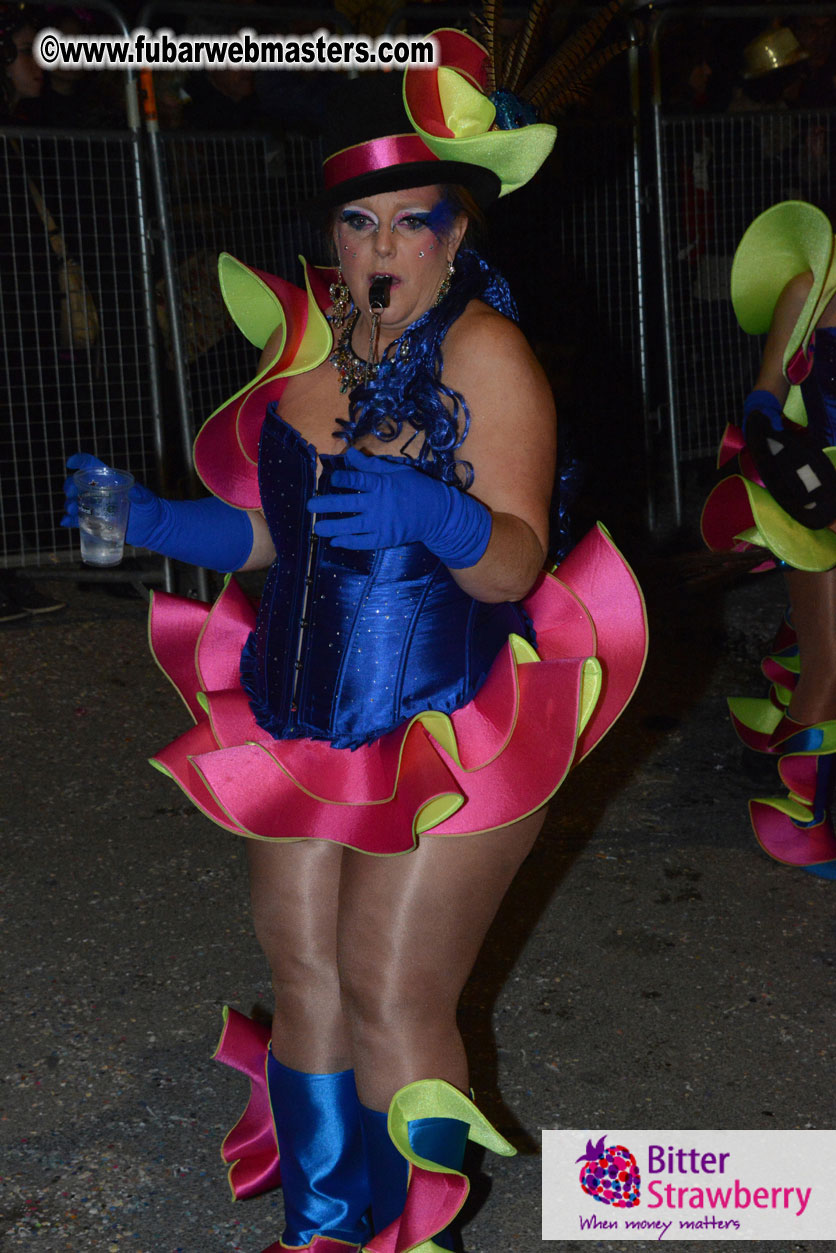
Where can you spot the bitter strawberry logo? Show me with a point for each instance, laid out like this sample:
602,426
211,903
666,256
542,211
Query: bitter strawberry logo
610,1174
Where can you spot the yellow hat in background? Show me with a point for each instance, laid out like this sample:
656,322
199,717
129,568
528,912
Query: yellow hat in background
774,49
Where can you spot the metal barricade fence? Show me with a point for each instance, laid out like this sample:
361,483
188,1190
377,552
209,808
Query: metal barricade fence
587,224
115,394
718,173
77,350
582,236
70,222
240,194
570,248
709,175
742,164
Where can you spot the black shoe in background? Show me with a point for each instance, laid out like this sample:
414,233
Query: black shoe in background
22,595
10,610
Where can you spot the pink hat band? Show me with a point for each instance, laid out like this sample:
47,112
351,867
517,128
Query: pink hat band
374,154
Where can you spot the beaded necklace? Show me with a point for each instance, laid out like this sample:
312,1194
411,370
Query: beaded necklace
353,370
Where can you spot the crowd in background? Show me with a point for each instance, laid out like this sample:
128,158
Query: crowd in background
782,74
789,62
781,66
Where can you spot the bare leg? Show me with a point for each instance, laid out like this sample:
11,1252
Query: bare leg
410,929
813,599
295,893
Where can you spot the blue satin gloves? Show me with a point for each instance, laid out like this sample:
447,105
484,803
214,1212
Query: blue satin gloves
765,403
205,532
386,503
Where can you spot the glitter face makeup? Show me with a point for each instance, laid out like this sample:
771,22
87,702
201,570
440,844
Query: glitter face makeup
363,221
441,218
405,237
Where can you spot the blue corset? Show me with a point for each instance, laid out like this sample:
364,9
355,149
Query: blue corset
819,388
350,644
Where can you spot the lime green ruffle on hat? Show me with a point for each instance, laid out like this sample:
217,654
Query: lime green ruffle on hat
455,119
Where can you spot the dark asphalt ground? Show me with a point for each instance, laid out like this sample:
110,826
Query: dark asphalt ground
651,967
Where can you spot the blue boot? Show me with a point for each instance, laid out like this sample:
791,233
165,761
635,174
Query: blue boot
415,1154
441,1140
323,1166
388,1170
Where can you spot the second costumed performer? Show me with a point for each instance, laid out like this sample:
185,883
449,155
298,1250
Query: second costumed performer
389,725
780,495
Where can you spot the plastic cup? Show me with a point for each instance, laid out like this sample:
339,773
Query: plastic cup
103,508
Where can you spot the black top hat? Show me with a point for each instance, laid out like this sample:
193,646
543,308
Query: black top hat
373,147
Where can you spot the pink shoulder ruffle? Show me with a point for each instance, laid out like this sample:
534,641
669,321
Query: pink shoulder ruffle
226,446
497,759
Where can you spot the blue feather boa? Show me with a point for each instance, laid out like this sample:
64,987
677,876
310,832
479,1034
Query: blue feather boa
408,390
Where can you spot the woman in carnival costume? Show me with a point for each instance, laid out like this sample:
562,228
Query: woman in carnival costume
390,724
782,497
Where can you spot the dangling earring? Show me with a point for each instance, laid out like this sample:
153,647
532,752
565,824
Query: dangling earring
340,300
445,283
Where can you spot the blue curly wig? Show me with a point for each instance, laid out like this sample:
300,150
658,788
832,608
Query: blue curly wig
408,390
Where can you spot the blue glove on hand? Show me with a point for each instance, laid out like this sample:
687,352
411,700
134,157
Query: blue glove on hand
763,402
205,532
391,503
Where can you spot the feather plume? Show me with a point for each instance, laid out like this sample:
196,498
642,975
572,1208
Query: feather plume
526,43
508,54
566,65
489,21
553,99
564,79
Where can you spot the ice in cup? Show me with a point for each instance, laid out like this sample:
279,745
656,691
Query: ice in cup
103,508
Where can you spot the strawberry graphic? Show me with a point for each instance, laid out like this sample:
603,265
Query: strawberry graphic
610,1174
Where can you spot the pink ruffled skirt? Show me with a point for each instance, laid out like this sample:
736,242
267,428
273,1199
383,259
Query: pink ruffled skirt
488,764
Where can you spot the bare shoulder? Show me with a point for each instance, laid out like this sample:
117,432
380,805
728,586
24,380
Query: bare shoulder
789,305
511,440
486,354
271,349
794,294
484,333
785,317
800,284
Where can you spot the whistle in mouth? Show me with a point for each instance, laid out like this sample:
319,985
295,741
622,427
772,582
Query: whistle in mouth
379,293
